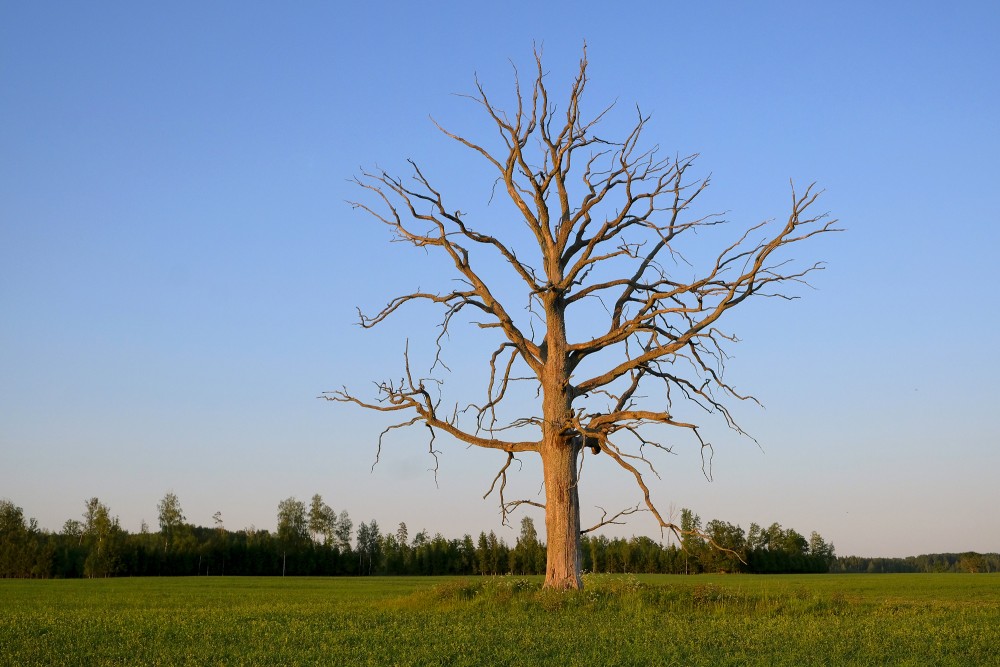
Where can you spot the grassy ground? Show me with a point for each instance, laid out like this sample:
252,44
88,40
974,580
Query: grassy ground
901,619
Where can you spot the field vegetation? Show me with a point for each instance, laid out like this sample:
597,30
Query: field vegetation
902,619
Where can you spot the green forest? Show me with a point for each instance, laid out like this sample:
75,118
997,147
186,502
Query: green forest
312,539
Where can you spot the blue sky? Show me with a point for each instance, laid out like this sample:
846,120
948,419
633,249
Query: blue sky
179,270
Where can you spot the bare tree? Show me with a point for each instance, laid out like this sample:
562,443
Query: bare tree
611,227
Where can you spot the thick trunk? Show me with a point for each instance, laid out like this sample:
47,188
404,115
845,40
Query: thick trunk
559,459
562,514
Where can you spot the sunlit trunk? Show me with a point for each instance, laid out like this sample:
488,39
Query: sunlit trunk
559,459
562,515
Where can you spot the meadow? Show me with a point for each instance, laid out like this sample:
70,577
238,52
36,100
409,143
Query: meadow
900,619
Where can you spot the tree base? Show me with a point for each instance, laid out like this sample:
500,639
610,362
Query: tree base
563,584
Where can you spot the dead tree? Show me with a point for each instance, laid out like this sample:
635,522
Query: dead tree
610,223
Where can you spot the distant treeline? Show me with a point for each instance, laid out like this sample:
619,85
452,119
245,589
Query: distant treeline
968,561
317,541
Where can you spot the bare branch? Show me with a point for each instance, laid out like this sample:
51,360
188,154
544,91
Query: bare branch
605,521
412,394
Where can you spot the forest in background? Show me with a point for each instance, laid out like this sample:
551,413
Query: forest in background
315,540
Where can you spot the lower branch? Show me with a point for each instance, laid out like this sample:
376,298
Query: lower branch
507,506
613,520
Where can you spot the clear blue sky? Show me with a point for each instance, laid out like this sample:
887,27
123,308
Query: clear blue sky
179,271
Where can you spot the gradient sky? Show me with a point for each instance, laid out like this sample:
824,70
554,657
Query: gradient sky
179,270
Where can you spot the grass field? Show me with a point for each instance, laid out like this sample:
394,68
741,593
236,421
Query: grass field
920,619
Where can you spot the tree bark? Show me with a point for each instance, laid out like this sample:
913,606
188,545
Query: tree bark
559,452
562,513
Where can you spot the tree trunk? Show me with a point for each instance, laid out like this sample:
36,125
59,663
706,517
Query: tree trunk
562,514
559,452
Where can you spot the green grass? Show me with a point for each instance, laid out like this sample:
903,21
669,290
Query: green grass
921,619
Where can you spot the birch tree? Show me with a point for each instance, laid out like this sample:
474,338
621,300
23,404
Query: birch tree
171,518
